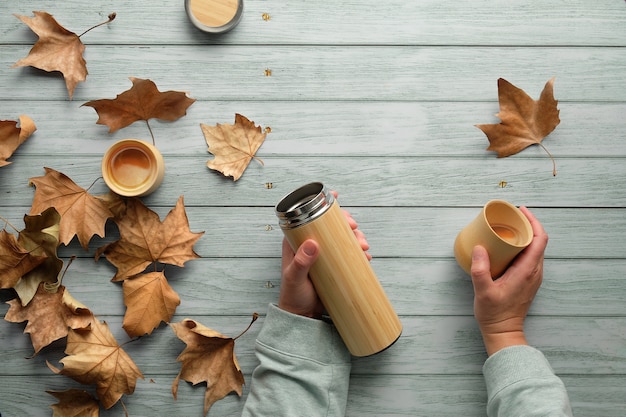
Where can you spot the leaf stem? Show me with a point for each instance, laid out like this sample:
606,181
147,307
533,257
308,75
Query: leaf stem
255,316
551,157
53,287
93,183
259,160
8,223
124,407
151,134
111,18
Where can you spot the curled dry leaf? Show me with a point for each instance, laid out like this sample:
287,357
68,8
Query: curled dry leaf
12,136
49,315
41,238
95,358
209,357
233,146
144,239
525,121
74,403
143,101
149,300
82,214
15,261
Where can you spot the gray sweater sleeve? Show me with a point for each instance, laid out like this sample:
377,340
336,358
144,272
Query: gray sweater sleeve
520,382
304,368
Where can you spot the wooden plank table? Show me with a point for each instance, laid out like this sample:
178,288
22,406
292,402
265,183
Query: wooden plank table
379,101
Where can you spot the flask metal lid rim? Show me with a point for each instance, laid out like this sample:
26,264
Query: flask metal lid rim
303,205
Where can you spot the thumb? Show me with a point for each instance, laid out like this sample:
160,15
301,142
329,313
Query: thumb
480,270
305,257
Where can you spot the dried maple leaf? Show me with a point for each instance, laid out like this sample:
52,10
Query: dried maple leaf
49,315
143,101
114,202
15,261
82,214
233,146
144,240
525,121
95,358
11,136
41,237
149,299
209,357
57,49
74,403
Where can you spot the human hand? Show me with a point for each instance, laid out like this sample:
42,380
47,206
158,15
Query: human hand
501,306
297,293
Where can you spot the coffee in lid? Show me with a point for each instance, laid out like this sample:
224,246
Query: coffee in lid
133,168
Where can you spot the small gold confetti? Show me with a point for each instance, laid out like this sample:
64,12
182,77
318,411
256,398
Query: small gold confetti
269,284
502,184
268,72
268,129
268,227
269,185
266,16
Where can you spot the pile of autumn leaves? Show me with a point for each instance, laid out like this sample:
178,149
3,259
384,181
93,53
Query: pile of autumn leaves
30,265
62,210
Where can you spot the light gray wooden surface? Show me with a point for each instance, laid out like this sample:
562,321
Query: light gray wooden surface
378,100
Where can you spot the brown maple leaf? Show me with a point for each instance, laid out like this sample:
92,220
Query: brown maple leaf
41,237
49,315
12,136
74,403
82,214
95,358
114,202
209,357
57,49
145,240
143,101
524,121
149,299
233,146
15,261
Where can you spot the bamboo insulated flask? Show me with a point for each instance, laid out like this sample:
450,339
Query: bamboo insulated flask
342,275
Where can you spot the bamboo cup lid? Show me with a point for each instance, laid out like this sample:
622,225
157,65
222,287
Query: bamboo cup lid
133,168
214,16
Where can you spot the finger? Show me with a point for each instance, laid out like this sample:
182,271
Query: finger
480,269
532,256
288,254
353,224
360,236
303,260
538,230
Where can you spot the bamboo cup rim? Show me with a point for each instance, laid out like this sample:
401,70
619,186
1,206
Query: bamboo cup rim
211,19
133,168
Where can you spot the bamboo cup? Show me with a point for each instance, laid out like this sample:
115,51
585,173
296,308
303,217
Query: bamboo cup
133,168
342,275
214,16
502,229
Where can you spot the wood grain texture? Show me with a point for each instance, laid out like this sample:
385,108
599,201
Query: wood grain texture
426,22
330,72
378,100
